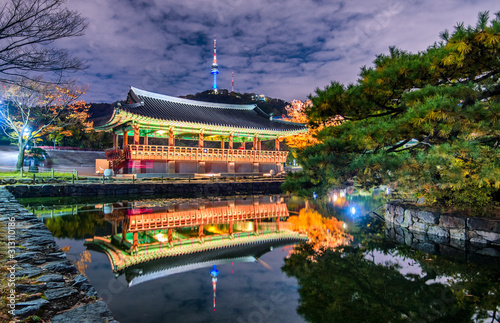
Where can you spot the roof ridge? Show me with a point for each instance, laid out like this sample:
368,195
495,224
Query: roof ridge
153,95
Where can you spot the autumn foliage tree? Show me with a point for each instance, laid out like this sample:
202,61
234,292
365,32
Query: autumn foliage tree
32,109
296,112
426,122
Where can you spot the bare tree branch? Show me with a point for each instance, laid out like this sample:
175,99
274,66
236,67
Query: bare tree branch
28,29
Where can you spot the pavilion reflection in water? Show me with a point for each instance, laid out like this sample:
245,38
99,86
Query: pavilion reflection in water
159,238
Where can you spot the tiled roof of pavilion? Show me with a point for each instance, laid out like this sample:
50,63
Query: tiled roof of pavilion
158,108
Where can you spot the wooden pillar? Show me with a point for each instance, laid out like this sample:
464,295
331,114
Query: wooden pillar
170,235
277,144
256,226
230,141
115,140
125,138
146,140
171,140
243,144
135,243
255,140
200,231
136,134
259,144
231,227
222,144
200,139
124,231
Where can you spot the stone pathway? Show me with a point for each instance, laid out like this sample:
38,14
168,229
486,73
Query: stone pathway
47,284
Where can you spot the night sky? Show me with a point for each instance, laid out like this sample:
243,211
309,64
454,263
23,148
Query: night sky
283,49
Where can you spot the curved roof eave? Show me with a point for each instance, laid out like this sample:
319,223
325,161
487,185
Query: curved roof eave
113,121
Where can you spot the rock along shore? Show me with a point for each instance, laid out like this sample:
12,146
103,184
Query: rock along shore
477,235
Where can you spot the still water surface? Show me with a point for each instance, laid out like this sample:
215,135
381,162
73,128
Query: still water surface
366,278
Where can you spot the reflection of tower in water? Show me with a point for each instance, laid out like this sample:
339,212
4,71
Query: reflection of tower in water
214,272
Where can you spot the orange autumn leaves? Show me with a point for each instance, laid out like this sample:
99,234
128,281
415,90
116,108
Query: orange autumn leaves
296,112
322,232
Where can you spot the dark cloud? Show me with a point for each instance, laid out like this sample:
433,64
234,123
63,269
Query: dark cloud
283,49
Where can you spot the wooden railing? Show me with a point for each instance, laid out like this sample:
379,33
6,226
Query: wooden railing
165,220
148,152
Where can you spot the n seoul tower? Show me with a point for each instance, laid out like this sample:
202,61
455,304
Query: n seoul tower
215,67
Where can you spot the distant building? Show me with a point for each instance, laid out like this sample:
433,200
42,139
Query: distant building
259,97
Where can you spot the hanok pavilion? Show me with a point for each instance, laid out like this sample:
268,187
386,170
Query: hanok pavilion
155,133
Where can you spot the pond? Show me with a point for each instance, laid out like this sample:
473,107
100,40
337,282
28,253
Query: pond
245,259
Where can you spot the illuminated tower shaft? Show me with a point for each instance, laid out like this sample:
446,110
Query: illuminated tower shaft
215,67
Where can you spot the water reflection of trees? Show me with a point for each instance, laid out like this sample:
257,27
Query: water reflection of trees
77,225
475,285
80,261
348,285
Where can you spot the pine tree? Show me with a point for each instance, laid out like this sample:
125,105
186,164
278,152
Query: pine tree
426,123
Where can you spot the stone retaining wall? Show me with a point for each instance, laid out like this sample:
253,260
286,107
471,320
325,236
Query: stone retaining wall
423,224
165,190
52,286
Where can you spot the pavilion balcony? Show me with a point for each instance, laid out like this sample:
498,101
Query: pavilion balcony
173,153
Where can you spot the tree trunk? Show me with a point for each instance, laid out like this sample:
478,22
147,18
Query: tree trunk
20,157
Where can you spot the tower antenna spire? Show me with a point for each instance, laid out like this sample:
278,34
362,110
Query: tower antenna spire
232,83
214,272
215,67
